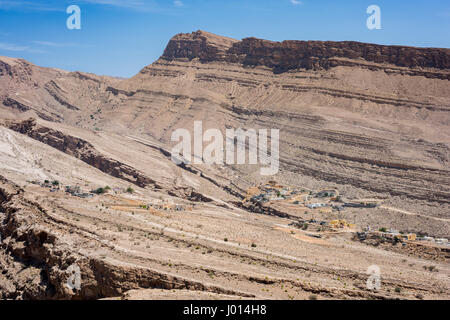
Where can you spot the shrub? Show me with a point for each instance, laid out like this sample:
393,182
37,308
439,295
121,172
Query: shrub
430,268
130,190
253,245
398,289
382,229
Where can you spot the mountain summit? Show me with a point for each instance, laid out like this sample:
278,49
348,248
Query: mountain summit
293,54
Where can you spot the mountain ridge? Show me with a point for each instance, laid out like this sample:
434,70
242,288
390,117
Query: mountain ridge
296,54
86,175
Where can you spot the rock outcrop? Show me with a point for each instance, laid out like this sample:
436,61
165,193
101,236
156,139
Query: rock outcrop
82,150
314,55
35,259
15,68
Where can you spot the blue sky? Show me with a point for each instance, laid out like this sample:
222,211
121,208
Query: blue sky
119,37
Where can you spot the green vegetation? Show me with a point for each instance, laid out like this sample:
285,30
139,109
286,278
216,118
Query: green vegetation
100,191
130,190
382,229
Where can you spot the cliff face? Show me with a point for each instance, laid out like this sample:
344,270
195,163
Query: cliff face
82,150
205,46
315,55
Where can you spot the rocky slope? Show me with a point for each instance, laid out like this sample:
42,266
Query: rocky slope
374,123
41,241
32,240
82,150
50,94
371,121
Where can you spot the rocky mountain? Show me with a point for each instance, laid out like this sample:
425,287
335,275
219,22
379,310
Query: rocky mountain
368,120
311,55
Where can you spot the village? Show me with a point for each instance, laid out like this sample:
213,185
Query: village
77,191
326,202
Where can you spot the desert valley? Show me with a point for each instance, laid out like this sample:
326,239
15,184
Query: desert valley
87,180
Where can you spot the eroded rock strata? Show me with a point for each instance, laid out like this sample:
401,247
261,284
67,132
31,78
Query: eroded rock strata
368,120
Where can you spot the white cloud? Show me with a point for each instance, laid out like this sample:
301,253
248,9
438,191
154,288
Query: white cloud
61,5
178,3
57,44
296,2
18,48
118,3
138,5
29,5
52,44
12,47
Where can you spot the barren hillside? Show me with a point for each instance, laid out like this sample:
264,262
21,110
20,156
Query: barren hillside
369,121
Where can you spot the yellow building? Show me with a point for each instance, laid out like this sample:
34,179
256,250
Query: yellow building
412,237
